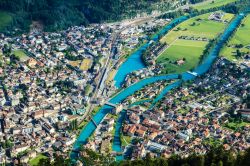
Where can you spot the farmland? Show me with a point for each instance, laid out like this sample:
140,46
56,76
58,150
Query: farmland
188,40
240,41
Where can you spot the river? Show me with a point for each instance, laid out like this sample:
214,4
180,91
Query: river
133,61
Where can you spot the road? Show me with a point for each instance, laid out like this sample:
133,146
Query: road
107,67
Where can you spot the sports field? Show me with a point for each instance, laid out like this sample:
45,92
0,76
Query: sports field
5,20
21,54
86,64
240,37
197,31
211,4
75,63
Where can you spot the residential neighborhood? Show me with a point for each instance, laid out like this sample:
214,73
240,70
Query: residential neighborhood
195,117
48,81
157,87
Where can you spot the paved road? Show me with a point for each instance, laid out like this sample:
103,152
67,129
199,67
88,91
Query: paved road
107,67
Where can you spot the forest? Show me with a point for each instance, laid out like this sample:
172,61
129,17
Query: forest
217,156
59,14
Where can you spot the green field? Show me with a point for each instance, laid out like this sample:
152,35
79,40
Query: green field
5,19
21,54
197,27
202,28
35,161
190,50
125,140
240,37
236,125
212,3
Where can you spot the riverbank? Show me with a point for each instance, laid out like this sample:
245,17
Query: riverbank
202,68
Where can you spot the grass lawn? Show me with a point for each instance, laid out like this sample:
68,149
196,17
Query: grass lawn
84,122
125,140
5,19
35,161
211,4
189,43
21,54
199,26
236,125
240,37
95,110
190,50
86,64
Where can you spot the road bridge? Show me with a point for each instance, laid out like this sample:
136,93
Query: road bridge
94,122
193,73
111,104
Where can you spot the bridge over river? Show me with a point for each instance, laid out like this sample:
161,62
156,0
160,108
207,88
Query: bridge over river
199,70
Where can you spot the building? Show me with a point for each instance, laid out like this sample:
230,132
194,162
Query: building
245,113
32,62
117,109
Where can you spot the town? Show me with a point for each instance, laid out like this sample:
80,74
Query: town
201,114
158,86
49,80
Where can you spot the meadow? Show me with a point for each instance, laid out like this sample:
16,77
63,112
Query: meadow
191,48
199,26
212,3
241,36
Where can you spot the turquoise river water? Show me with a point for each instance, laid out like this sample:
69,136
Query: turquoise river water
134,63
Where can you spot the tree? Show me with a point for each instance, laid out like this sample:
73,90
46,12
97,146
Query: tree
148,160
44,162
220,163
73,125
161,162
238,53
244,159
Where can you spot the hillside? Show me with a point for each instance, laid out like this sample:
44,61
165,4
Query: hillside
59,14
